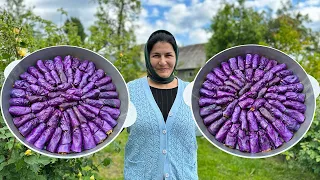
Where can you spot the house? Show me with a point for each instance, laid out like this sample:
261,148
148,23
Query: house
191,59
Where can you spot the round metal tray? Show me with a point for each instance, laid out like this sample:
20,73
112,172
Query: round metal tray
270,53
82,54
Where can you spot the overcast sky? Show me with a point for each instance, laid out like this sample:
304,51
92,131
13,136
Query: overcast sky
186,19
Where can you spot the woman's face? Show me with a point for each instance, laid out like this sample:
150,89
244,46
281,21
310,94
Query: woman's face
163,59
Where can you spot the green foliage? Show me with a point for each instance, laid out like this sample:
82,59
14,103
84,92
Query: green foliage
307,151
73,21
235,25
22,32
116,42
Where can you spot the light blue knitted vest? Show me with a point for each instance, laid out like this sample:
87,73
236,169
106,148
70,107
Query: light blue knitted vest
155,149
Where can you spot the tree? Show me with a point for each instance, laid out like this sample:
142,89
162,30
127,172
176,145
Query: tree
114,36
73,21
235,25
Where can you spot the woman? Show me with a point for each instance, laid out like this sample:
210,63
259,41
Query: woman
162,142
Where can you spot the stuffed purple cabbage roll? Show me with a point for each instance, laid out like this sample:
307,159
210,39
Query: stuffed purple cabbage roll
236,80
19,121
266,114
290,80
233,64
274,81
243,120
298,116
115,112
215,126
42,67
204,111
282,130
84,80
214,79
65,122
56,101
260,119
248,61
36,133
54,119
103,81
229,109
19,102
106,117
246,103
252,121
65,143
273,136
86,113
77,77
19,110
21,84
257,104
226,68
27,127
231,84
35,72
37,90
296,105
249,74
206,93
293,96
264,142
245,89
222,133
90,68
96,76
54,141
67,105
255,61
98,135
236,114
254,142
275,96
94,102
73,118
44,115
80,117
76,145
243,141
219,73
241,65
36,98
212,117
38,106
278,68
18,93
258,74
231,139
83,65
107,87
263,62
92,109
75,63
284,73
44,137
88,140
28,77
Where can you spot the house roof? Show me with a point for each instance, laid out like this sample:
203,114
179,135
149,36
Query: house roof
191,57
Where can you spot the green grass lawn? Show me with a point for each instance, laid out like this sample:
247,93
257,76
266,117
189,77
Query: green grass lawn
216,164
